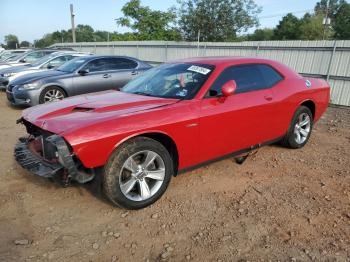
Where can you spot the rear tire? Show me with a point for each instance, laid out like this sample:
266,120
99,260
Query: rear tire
300,128
137,173
51,94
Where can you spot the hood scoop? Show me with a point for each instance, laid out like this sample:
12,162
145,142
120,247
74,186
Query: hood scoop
82,109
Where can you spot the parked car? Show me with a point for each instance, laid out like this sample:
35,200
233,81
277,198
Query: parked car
78,76
173,117
51,61
28,57
11,53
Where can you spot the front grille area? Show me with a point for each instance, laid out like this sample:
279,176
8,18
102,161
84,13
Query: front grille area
10,88
33,162
48,155
33,129
10,97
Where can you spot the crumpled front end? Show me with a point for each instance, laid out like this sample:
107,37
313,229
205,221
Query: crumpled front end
48,155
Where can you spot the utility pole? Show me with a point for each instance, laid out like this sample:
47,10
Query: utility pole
198,39
72,20
326,21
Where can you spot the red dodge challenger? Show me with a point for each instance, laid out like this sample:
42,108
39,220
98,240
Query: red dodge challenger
171,118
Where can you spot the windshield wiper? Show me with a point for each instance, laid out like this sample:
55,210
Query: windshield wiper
142,93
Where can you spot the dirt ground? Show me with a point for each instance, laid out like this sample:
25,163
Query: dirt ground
280,205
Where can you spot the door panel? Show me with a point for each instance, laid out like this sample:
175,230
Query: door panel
245,119
91,82
235,123
122,77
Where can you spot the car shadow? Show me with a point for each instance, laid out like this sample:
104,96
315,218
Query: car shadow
93,187
16,107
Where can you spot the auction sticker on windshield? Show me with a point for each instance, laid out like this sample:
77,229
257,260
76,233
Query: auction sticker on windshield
199,69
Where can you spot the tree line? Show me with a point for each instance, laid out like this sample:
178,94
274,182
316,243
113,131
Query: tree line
209,20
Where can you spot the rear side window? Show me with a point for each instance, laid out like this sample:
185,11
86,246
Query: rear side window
105,64
248,78
271,76
123,63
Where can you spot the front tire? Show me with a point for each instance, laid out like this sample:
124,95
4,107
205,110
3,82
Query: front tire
138,173
51,94
300,128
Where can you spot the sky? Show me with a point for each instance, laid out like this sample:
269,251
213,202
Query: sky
31,19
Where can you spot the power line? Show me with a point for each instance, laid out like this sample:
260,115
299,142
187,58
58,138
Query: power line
285,13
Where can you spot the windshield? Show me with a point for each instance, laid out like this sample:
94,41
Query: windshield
44,59
171,81
72,65
18,56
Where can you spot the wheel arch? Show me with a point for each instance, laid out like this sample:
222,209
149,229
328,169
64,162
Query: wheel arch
311,105
55,85
166,140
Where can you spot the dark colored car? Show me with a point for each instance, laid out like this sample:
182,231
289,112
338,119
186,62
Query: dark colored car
78,76
172,118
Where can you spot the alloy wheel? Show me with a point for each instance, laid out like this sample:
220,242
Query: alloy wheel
53,95
142,175
302,128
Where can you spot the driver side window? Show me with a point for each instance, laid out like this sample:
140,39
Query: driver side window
248,78
101,64
32,57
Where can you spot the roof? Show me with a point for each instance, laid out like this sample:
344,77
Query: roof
216,60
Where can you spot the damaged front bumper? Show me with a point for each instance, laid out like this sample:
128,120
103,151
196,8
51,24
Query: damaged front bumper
49,156
33,162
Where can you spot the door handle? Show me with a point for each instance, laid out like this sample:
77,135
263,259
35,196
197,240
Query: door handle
106,76
268,97
134,73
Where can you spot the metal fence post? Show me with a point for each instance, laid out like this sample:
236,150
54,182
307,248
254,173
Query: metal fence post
331,59
257,50
137,52
166,52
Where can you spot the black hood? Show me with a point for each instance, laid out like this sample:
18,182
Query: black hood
28,78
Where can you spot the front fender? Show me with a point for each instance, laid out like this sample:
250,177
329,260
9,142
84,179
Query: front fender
97,152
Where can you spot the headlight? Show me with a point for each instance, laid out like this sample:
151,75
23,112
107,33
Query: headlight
8,74
29,86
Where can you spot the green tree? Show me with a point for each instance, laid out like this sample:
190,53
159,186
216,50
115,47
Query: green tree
341,23
24,44
288,28
217,20
61,37
262,34
124,37
334,5
149,24
45,41
311,27
11,41
84,33
102,36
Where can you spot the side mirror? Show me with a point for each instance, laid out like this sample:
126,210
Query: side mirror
22,60
49,66
229,88
83,72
